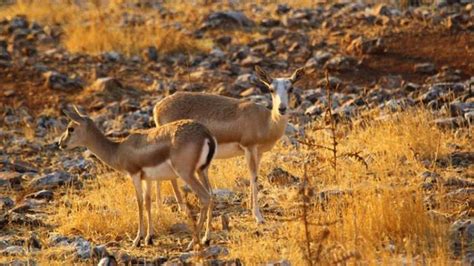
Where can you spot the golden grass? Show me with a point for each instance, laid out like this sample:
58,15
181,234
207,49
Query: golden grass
95,29
382,219
107,211
100,37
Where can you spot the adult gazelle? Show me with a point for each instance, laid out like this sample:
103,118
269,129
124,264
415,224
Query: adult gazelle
240,127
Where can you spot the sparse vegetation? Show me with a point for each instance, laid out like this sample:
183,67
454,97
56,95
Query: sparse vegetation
380,164
108,27
374,214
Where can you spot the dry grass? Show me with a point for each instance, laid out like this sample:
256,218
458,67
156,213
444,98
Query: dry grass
98,28
382,219
107,211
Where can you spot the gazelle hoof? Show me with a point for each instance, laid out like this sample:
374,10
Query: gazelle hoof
205,241
259,219
136,242
149,241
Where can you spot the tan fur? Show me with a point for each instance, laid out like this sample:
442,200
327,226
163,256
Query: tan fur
179,144
229,120
248,128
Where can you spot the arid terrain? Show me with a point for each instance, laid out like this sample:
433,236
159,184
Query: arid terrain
376,166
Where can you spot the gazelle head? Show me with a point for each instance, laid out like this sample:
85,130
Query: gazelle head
280,88
77,130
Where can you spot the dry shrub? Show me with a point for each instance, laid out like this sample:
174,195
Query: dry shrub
379,217
396,148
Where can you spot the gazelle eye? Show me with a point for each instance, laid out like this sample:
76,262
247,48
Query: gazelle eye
70,129
290,90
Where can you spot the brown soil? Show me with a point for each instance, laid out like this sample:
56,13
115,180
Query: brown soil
405,49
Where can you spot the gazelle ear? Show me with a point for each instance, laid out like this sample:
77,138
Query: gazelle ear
297,75
74,115
263,76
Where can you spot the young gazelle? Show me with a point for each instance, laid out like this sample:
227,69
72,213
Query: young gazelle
240,127
179,149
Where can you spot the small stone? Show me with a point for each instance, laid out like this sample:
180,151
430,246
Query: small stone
313,110
226,20
9,93
13,251
33,242
451,122
214,251
222,193
425,68
10,179
6,203
340,63
111,89
151,53
363,45
100,251
269,22
3,221
180,228
111,56
42,194
461,235
281,177
224,40
26,219
410,87
83,248
251,61
22,167
61,82
51,180
22,208
18,22
458,182
282,9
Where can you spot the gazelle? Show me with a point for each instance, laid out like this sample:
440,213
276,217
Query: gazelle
179,149
240,127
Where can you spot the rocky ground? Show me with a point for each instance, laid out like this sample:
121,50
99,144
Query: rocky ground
378,58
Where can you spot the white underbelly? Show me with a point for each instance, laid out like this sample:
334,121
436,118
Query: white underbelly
228,150
163,171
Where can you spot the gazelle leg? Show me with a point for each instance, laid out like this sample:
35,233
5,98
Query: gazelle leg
147,196
159,202
204,198
137,183
253,160
203,176
179,199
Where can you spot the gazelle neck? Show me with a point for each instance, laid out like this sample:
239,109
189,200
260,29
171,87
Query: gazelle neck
278,121
105,149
